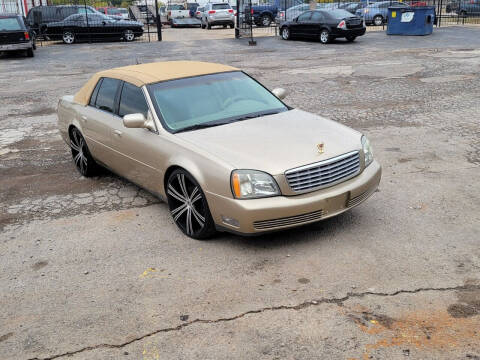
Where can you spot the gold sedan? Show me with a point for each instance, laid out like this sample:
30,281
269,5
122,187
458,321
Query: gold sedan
223,151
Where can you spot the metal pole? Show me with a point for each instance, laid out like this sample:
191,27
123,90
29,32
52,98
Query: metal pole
88,26
159,22
148,21
251,42
237,20
439,22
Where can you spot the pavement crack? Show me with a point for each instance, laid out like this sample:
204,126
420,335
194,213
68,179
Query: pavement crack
338,301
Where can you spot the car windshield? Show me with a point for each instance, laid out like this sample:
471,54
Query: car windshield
10,24
211,100
177,7
220,6
339,13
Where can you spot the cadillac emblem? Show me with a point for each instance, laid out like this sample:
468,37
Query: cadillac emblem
321,148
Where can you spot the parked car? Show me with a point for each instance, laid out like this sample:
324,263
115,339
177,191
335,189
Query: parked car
464,8
324,25
122,13
292,12
15,35
377,13
352,7
93,26
218,14
199,12
234,7
264,15
209,159
176,11
39,16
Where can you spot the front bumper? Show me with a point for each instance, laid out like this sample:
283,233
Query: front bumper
14,47
258,216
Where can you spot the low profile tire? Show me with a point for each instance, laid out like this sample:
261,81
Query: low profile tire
68,37
285,32
324,36
378,20
265,20
350,38
128,35
188,206
30,52
82,159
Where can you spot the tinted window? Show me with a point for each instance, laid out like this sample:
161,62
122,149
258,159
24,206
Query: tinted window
317,17
339,14
106,94
132,101
94,94
75,18
305,16
10,23
220,6
176,7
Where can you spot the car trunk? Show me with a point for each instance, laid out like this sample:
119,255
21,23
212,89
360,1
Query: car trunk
354,23
221,14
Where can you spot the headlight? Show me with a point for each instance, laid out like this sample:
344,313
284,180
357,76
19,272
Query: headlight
367,151
251,184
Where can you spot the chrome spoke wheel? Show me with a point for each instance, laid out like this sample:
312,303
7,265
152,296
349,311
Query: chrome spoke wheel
128,35
188,205
285,33
324,36
68,37
79,152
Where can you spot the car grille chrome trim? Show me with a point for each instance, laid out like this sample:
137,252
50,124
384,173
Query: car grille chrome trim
324,173
287,221
358,199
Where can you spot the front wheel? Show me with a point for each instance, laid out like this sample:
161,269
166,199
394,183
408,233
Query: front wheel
324,36
378,20
128,35
188,205
350,38
285,33
68,37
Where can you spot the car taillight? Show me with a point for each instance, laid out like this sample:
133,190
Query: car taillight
282,14
198,12
211,11
342,25
27,35
230,11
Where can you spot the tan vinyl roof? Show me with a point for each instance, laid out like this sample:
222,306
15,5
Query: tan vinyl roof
142,74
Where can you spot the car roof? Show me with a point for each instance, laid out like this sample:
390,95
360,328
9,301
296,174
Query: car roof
144,74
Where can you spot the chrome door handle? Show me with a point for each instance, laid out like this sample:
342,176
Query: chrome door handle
84,118
117,132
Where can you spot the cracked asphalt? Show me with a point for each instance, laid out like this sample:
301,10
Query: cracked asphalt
95,268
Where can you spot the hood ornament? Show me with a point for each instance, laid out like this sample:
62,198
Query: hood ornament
321,148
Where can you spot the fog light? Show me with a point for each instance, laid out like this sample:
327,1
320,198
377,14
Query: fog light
230,221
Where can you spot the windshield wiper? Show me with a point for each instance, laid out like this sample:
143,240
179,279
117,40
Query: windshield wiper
252,116
201,126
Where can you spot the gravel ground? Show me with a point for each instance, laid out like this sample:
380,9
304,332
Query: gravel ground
95,268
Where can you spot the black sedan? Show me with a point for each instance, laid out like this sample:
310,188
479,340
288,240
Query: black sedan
324,25
15,35
93,27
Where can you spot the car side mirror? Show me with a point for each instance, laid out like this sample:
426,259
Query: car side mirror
280,93
138,121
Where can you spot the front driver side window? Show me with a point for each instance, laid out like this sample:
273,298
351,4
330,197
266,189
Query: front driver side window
132,101
106,94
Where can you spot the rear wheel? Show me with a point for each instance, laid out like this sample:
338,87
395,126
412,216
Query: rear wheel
128,35
266,20
68,37
81,155
378,20
350,38
232,25
324,36
463,13
30,52
285,33
209,26
188,205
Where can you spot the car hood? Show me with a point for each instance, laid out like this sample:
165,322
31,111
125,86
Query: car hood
275,143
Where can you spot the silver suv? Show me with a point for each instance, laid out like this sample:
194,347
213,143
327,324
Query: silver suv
218,14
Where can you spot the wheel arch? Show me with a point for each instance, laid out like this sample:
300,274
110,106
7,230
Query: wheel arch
187,166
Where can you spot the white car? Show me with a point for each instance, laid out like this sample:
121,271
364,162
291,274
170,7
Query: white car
218,14
177,11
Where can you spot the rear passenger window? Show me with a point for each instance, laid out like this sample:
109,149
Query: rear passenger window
106,94
317,17
132,101
305,16
93,98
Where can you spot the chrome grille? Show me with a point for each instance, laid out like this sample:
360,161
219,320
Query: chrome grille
286,221
324,173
